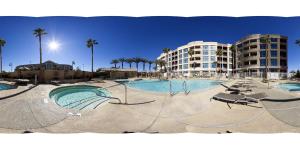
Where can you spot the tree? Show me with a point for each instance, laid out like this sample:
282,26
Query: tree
39,32
219,53
115,62
2,43
90,43
233,51
150,62
129,61
122,60
73,63
137,60
166,51
191,52
267,41
144,61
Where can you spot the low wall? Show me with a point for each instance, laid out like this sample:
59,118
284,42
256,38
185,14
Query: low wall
49,75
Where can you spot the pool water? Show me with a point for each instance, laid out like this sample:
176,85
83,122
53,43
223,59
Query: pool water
5,86
290,86
163,86
79,97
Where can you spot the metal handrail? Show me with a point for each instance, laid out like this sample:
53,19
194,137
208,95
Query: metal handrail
184,84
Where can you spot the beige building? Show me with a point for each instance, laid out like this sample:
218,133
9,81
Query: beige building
47,65
251,55
203,62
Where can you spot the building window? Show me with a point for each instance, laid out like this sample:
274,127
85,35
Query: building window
212,58
282,54
205,52
283,62
273,39
185,50
197,58
213,47
273,46
205,58
180,61
262,53
180,51
213,65
262,62
185,60
180,66
185,55
197,52
205,47
274,62
213,52
273,53
205,65
263,46
185,66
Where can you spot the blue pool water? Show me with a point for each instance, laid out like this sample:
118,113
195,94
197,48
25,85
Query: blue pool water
5,86
290,86
79,97
163,86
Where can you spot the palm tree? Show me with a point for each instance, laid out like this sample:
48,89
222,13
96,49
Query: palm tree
90,44
166,51
298,42
73,63
2,43
129,61
137,60
115,62
266,40
144,61
150,62
39,32
122,60
219,53
191,52
233,51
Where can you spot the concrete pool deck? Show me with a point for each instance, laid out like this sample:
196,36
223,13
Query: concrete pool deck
34,111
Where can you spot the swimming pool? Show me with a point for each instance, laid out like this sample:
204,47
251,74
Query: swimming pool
5,86
79,96
163,86
290,86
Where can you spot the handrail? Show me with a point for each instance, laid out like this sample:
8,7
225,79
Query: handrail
184,84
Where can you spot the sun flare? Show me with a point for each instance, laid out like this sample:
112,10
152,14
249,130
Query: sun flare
53,45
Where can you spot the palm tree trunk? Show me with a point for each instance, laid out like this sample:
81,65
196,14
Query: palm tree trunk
150,67
92,60
130,65
122,65
40,42
137,67
115,65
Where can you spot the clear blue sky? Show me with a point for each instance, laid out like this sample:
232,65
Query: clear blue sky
131,37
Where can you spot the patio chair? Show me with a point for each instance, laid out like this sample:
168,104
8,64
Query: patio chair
230,98
234,89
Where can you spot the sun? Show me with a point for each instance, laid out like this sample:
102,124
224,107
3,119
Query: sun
53,45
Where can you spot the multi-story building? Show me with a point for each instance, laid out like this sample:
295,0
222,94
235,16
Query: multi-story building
204,60
253,51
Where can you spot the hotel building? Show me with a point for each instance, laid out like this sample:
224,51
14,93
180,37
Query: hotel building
251,55
248,58
203,62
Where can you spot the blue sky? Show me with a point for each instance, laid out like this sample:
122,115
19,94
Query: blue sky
131,37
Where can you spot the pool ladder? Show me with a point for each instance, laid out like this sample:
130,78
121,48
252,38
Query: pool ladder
184,85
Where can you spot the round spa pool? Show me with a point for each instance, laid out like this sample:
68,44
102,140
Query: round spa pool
79,96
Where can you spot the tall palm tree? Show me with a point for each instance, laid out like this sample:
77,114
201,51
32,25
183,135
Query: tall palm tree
39,32
219,53
166,51
73,63
150,62
115,62
2,43
137,60
144,61
129,61
267,41
191,52
233,52
90,43
122,60
298,42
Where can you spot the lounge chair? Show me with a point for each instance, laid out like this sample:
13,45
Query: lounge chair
240,99
234,89
21,81
55,82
